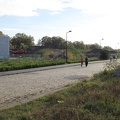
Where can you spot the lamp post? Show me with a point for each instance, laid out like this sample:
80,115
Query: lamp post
66,44
100,41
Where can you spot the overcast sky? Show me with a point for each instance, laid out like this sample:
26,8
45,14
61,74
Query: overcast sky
89,20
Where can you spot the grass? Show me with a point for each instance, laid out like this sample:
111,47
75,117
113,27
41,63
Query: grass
94,99
26,63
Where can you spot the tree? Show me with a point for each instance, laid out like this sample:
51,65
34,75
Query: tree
21,40
94,46
39,42
104,55
1,33
107,48
87,47
54,42
79,45
46,41
70,45
58,42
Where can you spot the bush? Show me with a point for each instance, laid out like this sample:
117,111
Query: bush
104,55
26,63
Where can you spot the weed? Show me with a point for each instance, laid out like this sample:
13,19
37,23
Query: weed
95,99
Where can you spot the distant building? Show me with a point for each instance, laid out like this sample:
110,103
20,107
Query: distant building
4,47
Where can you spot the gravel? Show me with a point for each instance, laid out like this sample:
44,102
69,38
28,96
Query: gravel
20,88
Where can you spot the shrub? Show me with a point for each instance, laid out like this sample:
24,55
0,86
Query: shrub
104,55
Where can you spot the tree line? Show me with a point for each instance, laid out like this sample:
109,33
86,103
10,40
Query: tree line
22,41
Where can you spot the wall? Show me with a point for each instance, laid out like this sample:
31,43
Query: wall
4,47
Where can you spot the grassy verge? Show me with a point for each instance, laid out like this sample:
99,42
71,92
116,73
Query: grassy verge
26,63
96,99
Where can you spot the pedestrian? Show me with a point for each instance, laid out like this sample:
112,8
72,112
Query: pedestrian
110,58
86,61
116,57
81,61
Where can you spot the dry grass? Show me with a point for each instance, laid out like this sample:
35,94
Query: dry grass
96,99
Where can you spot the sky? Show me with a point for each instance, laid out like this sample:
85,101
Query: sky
91,21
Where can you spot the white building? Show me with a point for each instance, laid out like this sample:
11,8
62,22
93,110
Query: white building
4,47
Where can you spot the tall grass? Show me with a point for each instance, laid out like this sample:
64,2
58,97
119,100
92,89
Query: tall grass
94,99
26,63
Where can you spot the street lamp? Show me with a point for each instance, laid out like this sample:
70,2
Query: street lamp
100,41
66,44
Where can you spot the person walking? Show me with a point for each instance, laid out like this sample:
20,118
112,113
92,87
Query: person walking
111,58
86,61
81,60
116,57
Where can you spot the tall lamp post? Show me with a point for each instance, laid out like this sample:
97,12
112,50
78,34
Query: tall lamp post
66,44
100,41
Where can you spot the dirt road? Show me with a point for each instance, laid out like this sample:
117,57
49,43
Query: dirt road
20,88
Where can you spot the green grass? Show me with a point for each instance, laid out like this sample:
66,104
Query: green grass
94,99
26,63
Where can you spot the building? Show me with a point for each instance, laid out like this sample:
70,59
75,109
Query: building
4,47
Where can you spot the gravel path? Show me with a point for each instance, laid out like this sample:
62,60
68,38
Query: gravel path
21,88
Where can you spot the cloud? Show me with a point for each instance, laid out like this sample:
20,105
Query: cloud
31,7
96,7
10,29
28,7
97,18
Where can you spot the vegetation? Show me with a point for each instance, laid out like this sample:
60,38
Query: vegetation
1,33
76,49
52,42
25,63
21,40
94,99
45,52
58,42
49,55
112,65
104,55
